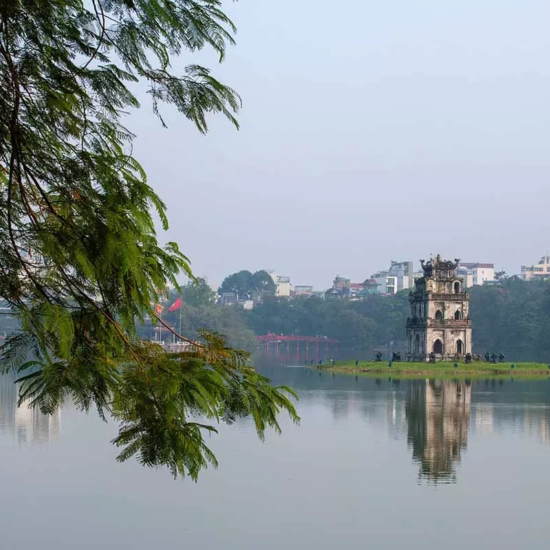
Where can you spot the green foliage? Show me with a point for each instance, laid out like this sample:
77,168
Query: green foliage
512,317
442,368
263,281
199,312
196,293
244,283
156,426
80,263
359,326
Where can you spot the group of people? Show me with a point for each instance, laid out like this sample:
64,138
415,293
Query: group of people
492,358
468,358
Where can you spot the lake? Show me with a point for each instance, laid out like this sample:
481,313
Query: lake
374,464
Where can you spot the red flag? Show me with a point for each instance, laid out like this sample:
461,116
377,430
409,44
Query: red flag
175,305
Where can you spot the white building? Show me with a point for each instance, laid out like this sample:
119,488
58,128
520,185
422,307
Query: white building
282,284
476,273
399,276
537,271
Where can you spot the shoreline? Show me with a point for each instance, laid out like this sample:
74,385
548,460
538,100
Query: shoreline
444,368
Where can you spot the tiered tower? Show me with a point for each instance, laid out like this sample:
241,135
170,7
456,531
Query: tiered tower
439,319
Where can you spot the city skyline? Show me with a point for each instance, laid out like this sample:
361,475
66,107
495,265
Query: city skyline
387,268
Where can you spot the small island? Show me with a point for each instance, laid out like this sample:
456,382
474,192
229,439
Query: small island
439,334
409,369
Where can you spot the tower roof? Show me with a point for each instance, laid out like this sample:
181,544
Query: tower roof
438,267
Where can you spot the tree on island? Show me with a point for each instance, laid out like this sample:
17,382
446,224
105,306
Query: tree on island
80,262
244,283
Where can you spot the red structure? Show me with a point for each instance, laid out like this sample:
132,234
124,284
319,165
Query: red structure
298,349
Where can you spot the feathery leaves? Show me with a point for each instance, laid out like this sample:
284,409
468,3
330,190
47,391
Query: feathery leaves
80,262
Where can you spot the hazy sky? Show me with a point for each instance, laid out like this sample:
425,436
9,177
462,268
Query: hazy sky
371,131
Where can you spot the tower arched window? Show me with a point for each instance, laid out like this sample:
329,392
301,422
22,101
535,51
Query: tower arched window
438,347
458,315
438,315
457,288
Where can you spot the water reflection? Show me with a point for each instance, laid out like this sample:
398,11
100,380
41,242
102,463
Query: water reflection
434,418
25,425
438,418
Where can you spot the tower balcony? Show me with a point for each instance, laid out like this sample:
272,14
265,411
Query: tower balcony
458,297
425,296
417,322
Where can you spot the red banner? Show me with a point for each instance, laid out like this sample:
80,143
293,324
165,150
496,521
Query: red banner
175,305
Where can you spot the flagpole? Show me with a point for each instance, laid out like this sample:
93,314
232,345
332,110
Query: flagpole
181,307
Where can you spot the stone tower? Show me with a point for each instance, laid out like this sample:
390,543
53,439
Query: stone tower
439,319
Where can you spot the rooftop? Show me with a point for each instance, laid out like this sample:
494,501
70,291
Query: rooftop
477,265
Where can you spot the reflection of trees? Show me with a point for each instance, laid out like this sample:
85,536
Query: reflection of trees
27,425
438,416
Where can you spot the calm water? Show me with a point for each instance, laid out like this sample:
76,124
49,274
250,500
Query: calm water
374,464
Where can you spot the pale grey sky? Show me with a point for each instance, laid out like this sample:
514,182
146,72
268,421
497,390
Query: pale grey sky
371,131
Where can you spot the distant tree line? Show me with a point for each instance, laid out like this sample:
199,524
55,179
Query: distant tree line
358,325
511,318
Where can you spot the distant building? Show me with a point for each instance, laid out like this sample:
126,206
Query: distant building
231,299
333,293
355,290
382,283
341,283
358,291
370,286
476,273
258,296
228,299
282,284
403,272
341,288
400,276
283,287
302,290
344,288
537,271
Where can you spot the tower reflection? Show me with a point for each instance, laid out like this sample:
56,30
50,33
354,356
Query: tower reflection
438,417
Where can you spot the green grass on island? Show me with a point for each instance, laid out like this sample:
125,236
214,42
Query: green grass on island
442,368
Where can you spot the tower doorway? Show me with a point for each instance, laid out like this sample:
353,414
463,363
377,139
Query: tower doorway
438,347
459,347
438,315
